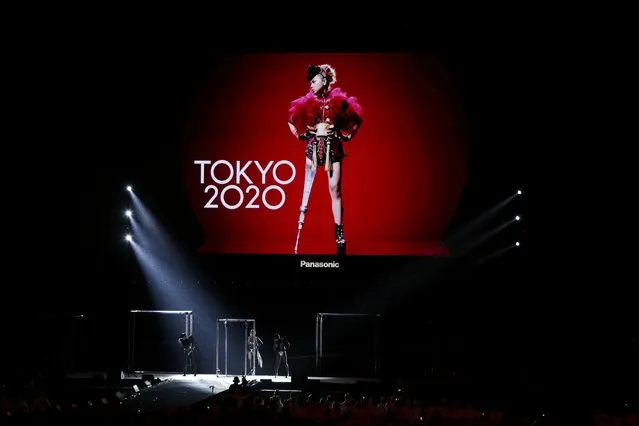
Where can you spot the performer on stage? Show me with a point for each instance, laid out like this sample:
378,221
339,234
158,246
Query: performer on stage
254,345
188,345
325,118
280,347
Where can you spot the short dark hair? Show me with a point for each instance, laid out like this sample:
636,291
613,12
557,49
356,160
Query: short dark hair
312,71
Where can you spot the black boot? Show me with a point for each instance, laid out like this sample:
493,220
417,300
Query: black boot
340,240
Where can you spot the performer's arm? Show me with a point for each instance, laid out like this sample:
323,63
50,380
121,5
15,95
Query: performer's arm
301,114
351,118
293,129
302,137
259,342
347,136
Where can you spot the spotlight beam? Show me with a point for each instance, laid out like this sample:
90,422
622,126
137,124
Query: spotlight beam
468,245
477,223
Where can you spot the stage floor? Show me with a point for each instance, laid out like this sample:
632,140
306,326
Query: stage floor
176,390
221,383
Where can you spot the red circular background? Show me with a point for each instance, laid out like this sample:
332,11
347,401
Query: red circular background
402,178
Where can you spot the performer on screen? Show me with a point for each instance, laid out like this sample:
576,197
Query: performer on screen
188,345
280,347
254,345
325,118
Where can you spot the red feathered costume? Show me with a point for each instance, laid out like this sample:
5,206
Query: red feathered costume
334,107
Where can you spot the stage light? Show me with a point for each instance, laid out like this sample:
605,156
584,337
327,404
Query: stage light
129,238
517,218
128,213
517,243
519,192
129,188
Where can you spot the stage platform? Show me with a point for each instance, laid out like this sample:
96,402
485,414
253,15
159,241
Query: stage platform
228,379
174,390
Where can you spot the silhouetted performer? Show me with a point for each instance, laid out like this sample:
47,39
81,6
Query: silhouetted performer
188,345
254,345
280,346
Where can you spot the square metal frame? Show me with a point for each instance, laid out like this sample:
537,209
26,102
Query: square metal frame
225,322
319,337
188,329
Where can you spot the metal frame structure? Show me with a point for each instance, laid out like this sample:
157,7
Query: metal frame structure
319,337
188,329
226,321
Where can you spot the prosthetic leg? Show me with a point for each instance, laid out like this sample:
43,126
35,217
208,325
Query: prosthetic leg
309,178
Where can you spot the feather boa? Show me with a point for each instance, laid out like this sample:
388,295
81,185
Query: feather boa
344,111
